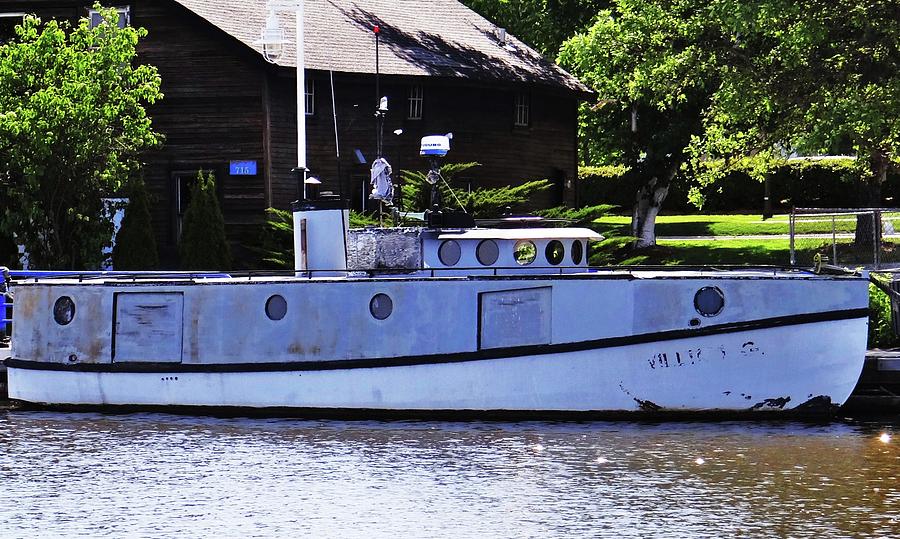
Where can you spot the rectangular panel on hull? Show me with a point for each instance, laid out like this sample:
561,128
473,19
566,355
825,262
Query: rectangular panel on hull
148,327
514,317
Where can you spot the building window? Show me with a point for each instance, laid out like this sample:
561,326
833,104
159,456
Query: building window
416,102
124,17
8,23
523,109
309,90
183,183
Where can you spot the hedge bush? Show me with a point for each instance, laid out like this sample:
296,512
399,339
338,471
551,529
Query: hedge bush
203,243
135,246
820,184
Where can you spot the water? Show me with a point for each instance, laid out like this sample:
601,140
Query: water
149,475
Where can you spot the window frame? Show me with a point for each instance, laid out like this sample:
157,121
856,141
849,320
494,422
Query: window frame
122,10
309,93
522,109
415,102
12,15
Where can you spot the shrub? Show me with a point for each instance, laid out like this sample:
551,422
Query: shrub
881,334
481,203
203,242
135,247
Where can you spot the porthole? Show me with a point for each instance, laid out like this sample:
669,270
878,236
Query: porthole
64,310
555,252
276,307
577,252
381,306
449,253
524,252
487,252
709,301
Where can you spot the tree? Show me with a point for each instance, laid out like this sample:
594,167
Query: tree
811,78
203,243
135,247
543,24
654,66
72,125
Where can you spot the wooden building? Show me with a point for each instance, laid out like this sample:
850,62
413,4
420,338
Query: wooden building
226,109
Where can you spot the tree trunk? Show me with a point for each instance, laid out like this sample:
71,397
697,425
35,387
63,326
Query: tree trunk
865,223
646,207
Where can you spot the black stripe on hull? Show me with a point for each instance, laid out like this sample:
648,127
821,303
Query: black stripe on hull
460,357
815,409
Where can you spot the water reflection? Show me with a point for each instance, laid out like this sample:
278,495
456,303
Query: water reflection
158,475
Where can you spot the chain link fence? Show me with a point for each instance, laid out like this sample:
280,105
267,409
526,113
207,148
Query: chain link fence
845,237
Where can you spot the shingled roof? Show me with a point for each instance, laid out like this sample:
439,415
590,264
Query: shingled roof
418,37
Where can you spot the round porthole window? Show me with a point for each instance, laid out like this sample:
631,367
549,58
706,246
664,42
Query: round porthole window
276,307
709,301
64,310
381,306
449,253
577,252
555,252
524,252
487,252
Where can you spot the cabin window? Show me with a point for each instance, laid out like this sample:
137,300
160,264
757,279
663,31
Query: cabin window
416,102
124,16
309,90
523,110
449,253
276,307
8,23
381,306
524,252
487,252
577,252
709,301
555,252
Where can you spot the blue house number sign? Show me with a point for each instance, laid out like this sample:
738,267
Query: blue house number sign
243,168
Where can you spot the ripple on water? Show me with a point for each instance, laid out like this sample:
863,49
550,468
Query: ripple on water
159,475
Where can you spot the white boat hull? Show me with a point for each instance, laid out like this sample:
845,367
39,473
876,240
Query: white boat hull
785,368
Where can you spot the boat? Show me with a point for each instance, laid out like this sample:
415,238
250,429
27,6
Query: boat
449,319
443,320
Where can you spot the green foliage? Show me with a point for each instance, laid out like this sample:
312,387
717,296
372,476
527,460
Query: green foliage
277,240
881,334
203,242
579,216
482,203
362,220
135,247
543,24
72,124
816,78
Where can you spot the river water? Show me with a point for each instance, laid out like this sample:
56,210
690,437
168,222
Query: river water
155,475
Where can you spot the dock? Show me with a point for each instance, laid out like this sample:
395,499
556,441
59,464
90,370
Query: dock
878,390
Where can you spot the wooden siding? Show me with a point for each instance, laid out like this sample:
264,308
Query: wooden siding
223,102
480,118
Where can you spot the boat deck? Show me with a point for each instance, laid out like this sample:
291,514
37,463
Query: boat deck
641,272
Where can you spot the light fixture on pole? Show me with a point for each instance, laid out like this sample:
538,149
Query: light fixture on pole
272,44
272,40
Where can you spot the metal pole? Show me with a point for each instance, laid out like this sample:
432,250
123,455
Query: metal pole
833,242
876,237
337,142
301,99
793,254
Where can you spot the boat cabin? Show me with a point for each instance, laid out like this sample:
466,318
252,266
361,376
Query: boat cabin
541,249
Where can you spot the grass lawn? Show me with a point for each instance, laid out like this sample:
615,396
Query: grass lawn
728,225
712,252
